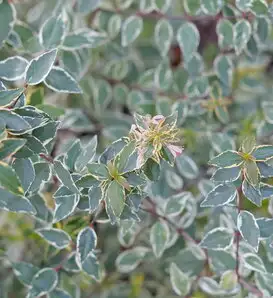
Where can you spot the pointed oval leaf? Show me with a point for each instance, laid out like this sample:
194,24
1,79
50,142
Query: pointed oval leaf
179,280
188,38
9,180
56,237
44,281
10,146
128,260
7,18
159,237
163,36
65,177
249,228
52,32
91,266
13,68
220,195
39,67
263,152
61,81
86,243
217,239
253,262
226,175
115,198
226,159
14,203
252,193
131,29
24,272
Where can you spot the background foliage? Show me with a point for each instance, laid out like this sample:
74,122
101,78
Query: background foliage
92,202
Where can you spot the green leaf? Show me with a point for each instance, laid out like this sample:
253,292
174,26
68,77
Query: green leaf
176,203
58,238
14,123
212,7
253,262
259,7
248,144
53,111
65,206
115,198
242,33
8,96
87,181
163,76
224,69
42,212
21,167
263,152
87,154
266,190
179,280
217,239
61,81
163,36
65,177
42,174
122,160
129,259
187,167
43,282
59,293
151,169
91,266
71,264
95,196
84,38
72,154
159,238
131,29
188,38
7,19
249,228
210,287
243,5
9,180
24,272
52,32
10,146
226,175
13,68
86,243
220,195
192,7
39,67
265,227
98,170
252,172
228,280
87,6
226,159
14,203
262,27
252,193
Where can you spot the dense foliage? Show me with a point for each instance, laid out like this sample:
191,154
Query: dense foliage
136,148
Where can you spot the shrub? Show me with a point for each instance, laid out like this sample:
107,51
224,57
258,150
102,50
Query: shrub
136,148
